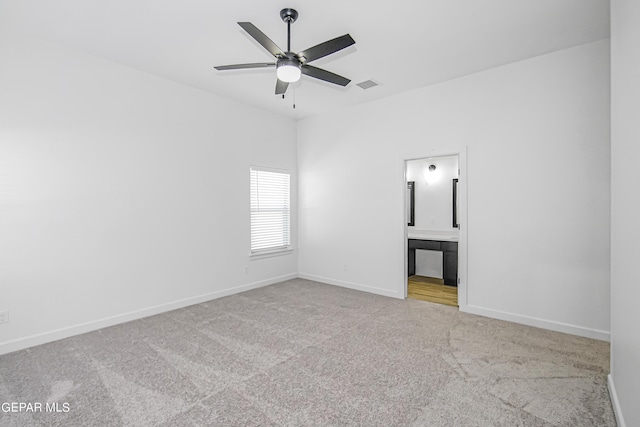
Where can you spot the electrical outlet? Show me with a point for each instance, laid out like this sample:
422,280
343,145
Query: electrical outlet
345,268
246,269
4,316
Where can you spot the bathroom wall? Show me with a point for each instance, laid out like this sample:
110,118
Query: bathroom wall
433,192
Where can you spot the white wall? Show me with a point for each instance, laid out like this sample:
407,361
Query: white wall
538,157
433,200
122,194
625,211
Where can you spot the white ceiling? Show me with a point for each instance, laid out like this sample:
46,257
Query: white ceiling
403,44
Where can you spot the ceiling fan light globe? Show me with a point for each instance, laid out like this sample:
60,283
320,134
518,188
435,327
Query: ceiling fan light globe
288,73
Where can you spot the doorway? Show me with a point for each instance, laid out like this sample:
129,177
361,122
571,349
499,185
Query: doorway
435,208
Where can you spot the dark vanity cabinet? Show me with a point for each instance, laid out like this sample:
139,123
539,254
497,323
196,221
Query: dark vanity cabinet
449,257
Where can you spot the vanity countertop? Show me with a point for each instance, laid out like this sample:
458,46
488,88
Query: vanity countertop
443,236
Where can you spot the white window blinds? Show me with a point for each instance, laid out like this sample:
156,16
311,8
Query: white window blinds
270,223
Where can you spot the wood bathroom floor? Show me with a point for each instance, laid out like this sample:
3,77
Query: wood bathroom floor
432,290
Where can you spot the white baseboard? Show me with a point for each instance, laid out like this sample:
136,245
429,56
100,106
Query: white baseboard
45,337
481,311
69,331
615,402
351,285
538,323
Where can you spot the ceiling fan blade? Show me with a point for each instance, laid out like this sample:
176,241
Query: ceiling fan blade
326,48
261,38
245,66
325,75
281,87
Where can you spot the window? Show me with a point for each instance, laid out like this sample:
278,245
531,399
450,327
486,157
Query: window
270,216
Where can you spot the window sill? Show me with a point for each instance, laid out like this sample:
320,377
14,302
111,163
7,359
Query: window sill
270,253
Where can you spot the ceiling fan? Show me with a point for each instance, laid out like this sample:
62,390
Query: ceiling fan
290,65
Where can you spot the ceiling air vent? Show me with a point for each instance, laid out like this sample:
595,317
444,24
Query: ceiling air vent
368,84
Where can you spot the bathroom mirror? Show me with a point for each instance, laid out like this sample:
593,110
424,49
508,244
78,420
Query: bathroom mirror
411,203
455,203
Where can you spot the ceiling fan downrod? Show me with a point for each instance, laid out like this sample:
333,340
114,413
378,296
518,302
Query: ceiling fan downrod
289,16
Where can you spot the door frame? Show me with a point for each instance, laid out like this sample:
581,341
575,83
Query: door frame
463,239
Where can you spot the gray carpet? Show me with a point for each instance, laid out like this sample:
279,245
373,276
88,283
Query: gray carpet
301,353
